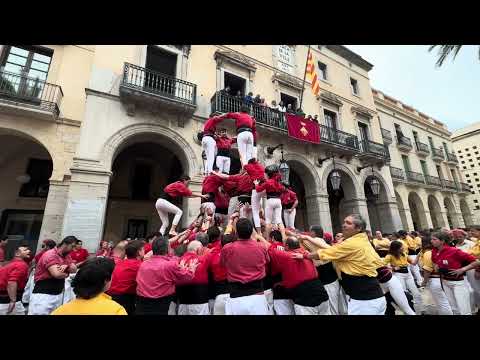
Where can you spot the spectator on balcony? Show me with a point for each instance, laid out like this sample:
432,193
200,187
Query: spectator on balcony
290,109
249,99
315,118
300,112
257,99
226,91
274,105
263,102
281,107
239,94
309,117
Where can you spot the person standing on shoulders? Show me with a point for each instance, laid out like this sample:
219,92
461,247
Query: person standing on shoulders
224,148
289,205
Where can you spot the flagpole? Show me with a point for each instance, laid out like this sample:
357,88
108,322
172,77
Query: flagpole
304,77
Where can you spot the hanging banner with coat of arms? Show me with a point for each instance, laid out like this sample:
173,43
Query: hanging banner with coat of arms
303,129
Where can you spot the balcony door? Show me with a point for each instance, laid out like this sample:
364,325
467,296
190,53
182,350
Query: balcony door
406,163
237,84
364,136
24,71
161,71
424,168
439,172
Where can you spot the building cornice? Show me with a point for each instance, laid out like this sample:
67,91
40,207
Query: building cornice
349,55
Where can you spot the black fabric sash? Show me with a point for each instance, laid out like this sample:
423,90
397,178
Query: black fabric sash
361,287
238,289
165,196
211,198
127,301
49,286
402,270
221,287
326,273
412,252
151,306
242,129
281,293
192,294
243,199
273,195
287,206
223,211
223,152
309,293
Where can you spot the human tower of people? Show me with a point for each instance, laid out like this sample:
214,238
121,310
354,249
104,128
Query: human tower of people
239,257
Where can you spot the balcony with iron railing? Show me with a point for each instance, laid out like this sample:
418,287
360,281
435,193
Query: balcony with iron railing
422,149
27,95
452,158
387,136
373,151
433,181
397,173
404,143
438,154
276,120
415,177
448,184
141,86
464,187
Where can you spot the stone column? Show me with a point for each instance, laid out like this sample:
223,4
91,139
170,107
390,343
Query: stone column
357,206
86,206
429,223
408,216
443,214
54,211
191,206
318,211
389,217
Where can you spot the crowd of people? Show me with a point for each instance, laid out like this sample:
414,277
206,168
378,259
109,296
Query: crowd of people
242,255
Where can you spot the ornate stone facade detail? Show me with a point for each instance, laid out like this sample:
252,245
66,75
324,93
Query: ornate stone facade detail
288,80
328,97
234,58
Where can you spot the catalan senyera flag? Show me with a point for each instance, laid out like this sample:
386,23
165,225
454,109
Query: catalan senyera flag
310,70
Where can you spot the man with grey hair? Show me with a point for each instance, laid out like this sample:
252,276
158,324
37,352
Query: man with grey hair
193,294
356,263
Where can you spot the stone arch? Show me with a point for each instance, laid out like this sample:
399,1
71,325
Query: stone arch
305,169
401,210
417,210
466,213
356,190
452,217
435,212
153,133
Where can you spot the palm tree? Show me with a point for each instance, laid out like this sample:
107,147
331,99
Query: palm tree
446,50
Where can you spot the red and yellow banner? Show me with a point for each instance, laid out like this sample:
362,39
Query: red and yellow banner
310,70
303,129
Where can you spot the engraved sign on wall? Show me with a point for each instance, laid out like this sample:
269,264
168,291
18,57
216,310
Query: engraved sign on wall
85,221
286,58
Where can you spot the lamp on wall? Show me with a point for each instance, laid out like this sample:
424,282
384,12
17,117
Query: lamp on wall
284,169
374,185
335,177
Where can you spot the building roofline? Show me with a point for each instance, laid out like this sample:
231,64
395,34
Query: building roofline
351,56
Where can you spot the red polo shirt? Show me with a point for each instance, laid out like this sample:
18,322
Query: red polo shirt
147,248
230,187
256,171
124,277
218,271
201,273
177,189
79,255
244,183
274,266
270,186
158,276
49,258
241,119
39,255
210,125
225,143
221,200
288,197
211,183
244,260
451,258
15,271
294,272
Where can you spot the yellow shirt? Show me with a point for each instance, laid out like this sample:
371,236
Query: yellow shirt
418,242
392,260
425,260
475,250
383,244
412,243
354,256
100,305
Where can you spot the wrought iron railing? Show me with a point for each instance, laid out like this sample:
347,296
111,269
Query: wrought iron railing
449,184
415,177
386,134
404,141
438,153
223,103
153,82
433,180
372,147
452,157
397,173
30,91
422,147
465,187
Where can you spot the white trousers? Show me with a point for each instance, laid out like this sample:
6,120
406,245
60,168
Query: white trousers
439,297
17,310
322,309
475,285
44,304
245,145
223,164
172,309
367,307
395,288
27,292
219,305
269,295
232,204
408,284
289,217
273,211
193,309
69,295
164,208
256,205
415,270
283,307
336,298
210,147
246,212
458,297
247,305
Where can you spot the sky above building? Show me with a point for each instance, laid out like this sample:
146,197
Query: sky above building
450,93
